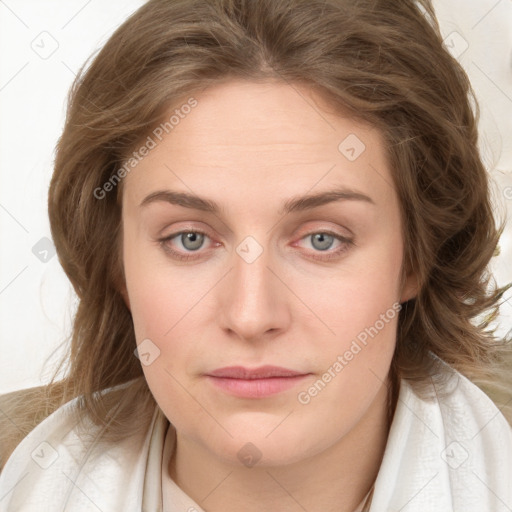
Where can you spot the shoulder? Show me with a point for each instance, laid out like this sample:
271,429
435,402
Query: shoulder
450,448
57,461
466,410
20,412
464,419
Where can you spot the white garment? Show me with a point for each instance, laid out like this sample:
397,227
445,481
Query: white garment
449,453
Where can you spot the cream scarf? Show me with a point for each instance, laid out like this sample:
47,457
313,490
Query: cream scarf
449,452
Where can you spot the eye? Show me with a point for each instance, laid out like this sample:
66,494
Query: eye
190,241
193,240
322,241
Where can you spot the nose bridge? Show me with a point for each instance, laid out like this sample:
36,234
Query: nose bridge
253,304
251,274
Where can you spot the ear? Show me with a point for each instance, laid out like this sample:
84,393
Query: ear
124,292
120,286
409,287
119,279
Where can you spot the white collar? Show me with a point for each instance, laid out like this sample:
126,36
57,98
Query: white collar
451,451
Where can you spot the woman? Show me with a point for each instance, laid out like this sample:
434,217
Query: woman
278,226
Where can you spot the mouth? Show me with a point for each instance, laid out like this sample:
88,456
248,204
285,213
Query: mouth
255,383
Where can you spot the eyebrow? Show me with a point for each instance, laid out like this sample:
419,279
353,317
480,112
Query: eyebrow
295,204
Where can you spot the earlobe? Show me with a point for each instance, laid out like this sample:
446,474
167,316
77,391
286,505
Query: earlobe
119,281
124,294
409,283
409,288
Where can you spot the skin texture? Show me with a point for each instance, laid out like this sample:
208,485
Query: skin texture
250,147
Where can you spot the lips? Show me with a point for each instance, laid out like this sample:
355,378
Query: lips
261,382
263,372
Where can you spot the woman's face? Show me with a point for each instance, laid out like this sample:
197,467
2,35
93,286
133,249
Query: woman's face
292,259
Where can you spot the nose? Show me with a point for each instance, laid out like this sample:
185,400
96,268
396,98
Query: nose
253,301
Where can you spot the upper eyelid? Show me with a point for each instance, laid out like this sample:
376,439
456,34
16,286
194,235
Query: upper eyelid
307,231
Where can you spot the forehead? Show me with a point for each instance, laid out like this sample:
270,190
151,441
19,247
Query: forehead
262,137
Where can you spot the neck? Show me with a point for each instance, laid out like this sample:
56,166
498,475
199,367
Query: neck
335,479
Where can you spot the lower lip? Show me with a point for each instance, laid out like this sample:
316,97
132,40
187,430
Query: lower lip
256,388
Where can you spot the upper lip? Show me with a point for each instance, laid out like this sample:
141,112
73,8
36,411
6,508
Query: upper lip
262,372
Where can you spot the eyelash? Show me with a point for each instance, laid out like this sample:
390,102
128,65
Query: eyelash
347,243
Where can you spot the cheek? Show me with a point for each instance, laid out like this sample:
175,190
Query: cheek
168,308
362,309
364,289
166,302
158,296
164,323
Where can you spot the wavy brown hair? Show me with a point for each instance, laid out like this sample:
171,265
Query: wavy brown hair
384,63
